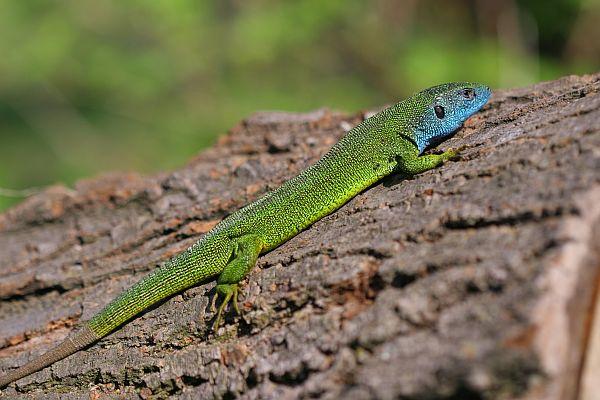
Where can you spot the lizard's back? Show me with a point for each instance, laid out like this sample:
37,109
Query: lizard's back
359,159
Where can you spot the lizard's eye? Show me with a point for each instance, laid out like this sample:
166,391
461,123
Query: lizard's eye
468,93
439,111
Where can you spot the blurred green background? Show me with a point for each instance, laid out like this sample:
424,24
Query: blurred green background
93,86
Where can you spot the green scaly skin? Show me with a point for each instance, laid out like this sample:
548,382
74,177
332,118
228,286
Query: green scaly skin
390,141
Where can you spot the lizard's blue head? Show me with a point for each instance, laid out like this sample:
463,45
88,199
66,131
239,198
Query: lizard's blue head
446,108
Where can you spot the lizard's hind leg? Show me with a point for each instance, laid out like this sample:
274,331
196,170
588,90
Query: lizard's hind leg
245,253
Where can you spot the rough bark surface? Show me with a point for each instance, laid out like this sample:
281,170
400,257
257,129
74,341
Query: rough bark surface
476,280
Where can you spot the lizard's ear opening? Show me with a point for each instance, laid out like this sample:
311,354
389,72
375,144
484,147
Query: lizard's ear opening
468,93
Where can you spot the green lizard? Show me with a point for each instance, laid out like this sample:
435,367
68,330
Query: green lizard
391,141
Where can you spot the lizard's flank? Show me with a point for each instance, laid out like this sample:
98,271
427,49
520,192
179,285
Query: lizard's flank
393,140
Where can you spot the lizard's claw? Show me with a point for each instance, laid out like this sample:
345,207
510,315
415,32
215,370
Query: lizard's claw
213,302
454,154
235,301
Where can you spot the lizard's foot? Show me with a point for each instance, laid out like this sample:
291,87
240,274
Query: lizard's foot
229,291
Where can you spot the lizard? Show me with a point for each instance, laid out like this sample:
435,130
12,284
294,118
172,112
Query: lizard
394,140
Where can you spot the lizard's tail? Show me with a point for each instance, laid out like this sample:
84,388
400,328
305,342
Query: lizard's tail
179,273
73,343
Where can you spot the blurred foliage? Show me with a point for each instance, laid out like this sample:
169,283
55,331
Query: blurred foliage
91,86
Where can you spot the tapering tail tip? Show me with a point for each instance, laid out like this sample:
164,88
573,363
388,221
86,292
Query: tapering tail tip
73,343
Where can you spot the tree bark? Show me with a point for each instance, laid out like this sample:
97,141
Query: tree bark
476,280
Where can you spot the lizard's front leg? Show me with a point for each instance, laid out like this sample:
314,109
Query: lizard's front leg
245,253
410,162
